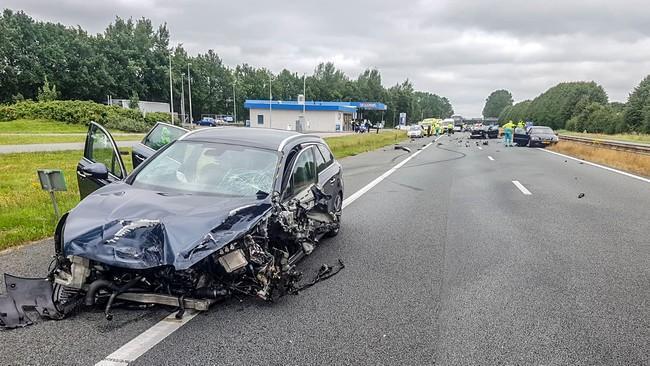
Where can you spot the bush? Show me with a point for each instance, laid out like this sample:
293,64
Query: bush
154,117
80,112
7,113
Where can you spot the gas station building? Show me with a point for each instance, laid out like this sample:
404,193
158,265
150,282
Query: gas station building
318,116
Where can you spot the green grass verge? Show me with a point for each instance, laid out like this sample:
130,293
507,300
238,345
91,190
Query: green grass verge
628,137
351,145
28,126
25,139
26,212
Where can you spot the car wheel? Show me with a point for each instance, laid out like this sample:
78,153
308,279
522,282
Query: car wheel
338,209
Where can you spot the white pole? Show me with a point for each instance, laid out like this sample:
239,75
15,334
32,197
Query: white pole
171,90
304,93
270,108
189,89
182,98
234,102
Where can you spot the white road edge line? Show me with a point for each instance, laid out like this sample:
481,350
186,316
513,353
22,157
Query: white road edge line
392,170
521,187
146,340
597,165
161,330
491,158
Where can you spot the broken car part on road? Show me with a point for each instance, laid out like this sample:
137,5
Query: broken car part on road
189,226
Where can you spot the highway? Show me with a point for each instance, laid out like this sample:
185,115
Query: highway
447,262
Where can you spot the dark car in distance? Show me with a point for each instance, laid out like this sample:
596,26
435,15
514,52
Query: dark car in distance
484,132
208,214
535,136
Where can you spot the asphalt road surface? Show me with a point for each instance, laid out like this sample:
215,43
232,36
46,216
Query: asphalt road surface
447,262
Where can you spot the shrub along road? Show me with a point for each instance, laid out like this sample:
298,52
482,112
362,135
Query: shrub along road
447,262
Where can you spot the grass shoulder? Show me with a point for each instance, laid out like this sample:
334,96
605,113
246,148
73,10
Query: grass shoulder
627,137
351,145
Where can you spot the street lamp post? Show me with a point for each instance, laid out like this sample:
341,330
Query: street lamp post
304,93
189,89
171,90
234,102
270,103
182,98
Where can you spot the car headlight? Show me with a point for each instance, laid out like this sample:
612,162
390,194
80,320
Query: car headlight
535,138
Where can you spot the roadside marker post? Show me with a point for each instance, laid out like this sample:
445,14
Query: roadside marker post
52,180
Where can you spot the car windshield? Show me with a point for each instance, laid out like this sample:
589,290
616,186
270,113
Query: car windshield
211,169
415,128
544,130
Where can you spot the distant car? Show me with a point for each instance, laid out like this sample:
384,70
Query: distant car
478,131
458,128
535,136
415,131
493,131
207,121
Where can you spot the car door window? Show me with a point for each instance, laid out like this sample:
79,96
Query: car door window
327,156
304,171
161,135
100,149
320,161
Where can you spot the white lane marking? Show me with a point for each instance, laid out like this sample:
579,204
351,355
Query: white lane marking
597,165
161,330
491,158
521,187
392,170
147,340
480,148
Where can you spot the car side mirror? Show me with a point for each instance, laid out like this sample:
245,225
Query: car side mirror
96,170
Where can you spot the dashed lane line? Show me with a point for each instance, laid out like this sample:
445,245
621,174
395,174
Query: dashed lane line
521,188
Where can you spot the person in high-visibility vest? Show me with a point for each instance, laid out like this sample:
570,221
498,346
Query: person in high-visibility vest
521,124
450,129
507,133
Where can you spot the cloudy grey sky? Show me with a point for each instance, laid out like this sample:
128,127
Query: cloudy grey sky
461,49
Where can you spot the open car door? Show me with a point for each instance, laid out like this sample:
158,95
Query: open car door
160,135
101,163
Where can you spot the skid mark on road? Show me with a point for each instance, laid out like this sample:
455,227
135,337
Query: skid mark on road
521,188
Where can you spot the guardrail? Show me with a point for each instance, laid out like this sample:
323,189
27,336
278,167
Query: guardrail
609,144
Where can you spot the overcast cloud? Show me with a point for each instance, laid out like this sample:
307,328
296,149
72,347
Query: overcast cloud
460,49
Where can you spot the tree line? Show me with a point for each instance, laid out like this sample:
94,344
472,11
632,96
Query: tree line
582,106
130,60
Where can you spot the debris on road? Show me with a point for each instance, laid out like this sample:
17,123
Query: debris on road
581,195
400,147
324,273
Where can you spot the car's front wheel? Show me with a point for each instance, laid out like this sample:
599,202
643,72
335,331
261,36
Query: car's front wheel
338,210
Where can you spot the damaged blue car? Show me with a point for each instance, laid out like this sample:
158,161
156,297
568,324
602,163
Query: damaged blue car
205,214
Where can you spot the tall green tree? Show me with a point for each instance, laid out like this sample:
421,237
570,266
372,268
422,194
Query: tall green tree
637,113
558,104
496,102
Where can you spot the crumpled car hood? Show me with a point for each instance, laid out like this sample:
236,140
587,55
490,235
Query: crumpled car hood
128,227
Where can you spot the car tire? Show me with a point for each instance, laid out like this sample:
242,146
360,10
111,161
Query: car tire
338,210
